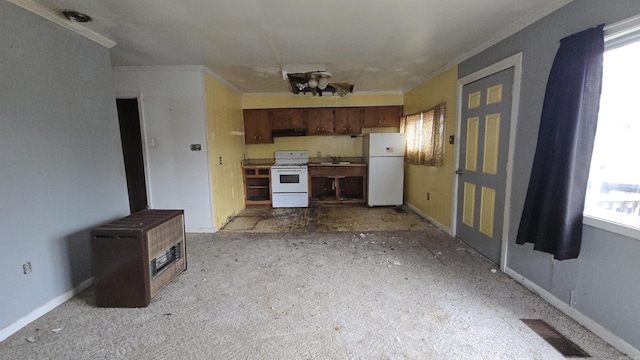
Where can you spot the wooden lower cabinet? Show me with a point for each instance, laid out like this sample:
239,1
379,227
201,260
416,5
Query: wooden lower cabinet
335,184
257,185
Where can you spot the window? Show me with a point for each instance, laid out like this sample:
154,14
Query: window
613,193
424,133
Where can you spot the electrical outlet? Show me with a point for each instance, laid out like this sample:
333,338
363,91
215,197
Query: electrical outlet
26,267
319,154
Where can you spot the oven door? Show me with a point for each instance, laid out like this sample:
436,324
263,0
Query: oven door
289,179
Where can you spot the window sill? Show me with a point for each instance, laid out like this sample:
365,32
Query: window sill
611,226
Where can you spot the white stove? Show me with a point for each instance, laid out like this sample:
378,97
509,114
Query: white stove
289,179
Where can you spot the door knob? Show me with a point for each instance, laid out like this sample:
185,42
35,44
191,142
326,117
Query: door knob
459,172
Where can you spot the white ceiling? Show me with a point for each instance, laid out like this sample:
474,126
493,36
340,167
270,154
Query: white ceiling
378,45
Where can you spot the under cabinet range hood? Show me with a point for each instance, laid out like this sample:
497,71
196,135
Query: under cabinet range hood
288,132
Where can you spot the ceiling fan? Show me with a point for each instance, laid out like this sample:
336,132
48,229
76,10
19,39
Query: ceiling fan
317,83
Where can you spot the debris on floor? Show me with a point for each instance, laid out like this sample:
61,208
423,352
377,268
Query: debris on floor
391,261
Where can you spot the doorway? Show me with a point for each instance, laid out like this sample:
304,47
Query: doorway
488,103
131,137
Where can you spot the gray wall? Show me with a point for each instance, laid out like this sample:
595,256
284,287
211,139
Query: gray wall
61,169
605,277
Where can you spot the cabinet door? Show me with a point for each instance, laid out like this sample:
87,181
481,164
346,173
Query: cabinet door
257,128
287,118
319,121
390,115
348,120
382,116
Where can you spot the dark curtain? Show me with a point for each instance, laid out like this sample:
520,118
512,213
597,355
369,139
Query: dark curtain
552,215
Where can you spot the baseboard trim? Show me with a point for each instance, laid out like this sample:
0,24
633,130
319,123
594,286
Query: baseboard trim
576,315
50,305
202,230
428,218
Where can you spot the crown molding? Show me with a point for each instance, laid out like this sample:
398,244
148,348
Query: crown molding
499,36
221,80
354,93
201,68
56,18
160,68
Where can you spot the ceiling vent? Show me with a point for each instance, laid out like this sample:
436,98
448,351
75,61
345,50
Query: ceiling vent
317,83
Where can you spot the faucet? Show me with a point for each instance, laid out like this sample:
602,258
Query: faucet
335,159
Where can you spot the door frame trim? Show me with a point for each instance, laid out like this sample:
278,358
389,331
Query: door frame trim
138,96
514,61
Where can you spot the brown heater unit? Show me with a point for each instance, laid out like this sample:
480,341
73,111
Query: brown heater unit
136,256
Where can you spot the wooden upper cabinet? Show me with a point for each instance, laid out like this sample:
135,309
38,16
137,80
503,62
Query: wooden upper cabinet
257,127
287,118
348,120
382,116
319,121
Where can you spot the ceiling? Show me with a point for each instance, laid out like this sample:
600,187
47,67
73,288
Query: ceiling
378,45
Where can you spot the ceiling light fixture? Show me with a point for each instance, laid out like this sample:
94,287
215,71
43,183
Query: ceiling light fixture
317,82
319,79
76,16
323,82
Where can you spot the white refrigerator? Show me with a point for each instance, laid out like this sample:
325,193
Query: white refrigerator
384,155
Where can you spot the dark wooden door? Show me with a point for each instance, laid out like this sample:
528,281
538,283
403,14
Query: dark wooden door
286,118
257,127
382,116
348,120
319,121
131,137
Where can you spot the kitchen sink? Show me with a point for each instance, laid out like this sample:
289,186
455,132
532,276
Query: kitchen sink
338,163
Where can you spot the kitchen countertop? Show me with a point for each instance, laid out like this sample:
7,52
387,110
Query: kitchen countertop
260,163
338,164
345,161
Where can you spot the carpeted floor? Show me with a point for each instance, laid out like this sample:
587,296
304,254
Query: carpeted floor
314,295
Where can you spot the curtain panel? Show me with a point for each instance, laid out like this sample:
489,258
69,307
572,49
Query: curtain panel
552,215
424,137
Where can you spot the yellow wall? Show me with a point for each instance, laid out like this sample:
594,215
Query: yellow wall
343,145
225,140
437,181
